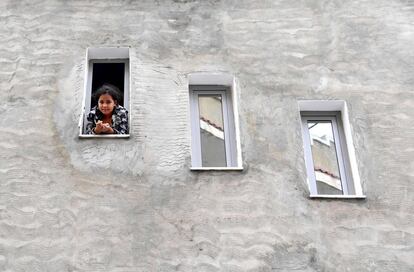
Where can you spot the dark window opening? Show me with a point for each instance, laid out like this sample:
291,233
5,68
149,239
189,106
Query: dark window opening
112,73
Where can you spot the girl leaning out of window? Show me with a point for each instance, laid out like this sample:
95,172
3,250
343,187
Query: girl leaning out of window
108,117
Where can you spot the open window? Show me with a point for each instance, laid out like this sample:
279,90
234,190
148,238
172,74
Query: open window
215,143
329,152
105,65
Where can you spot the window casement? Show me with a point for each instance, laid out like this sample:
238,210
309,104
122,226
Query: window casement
329,155
214,141
105,65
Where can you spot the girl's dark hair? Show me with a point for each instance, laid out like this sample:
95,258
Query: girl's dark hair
107,89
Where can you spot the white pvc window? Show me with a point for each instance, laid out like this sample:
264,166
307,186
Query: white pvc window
214,144
105,65
113,71
324,156
329,152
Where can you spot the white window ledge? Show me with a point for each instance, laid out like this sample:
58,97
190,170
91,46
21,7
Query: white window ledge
216,168
85,136
339,196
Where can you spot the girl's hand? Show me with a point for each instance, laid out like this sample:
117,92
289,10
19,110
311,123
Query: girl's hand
107,128
99,127
103,128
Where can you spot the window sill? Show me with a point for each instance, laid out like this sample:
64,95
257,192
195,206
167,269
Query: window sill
216,168
86,136
339,196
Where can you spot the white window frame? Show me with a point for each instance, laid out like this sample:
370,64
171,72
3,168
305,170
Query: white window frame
228,123
105,55
223,84
338,146
336,112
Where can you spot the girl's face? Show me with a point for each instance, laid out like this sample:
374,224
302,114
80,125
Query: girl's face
106,104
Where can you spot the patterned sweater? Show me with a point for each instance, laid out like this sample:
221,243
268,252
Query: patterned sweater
119,120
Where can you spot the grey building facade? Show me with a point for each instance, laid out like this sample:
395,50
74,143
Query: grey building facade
134,204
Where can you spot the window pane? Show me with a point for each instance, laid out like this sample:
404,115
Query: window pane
112,73
213,150
324,157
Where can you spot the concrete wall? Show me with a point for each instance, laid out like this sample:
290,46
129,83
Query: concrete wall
133,205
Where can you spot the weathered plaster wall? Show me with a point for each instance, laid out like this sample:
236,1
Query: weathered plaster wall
133,205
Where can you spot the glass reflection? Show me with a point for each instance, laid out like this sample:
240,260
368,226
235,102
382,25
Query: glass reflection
324,157
213,150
